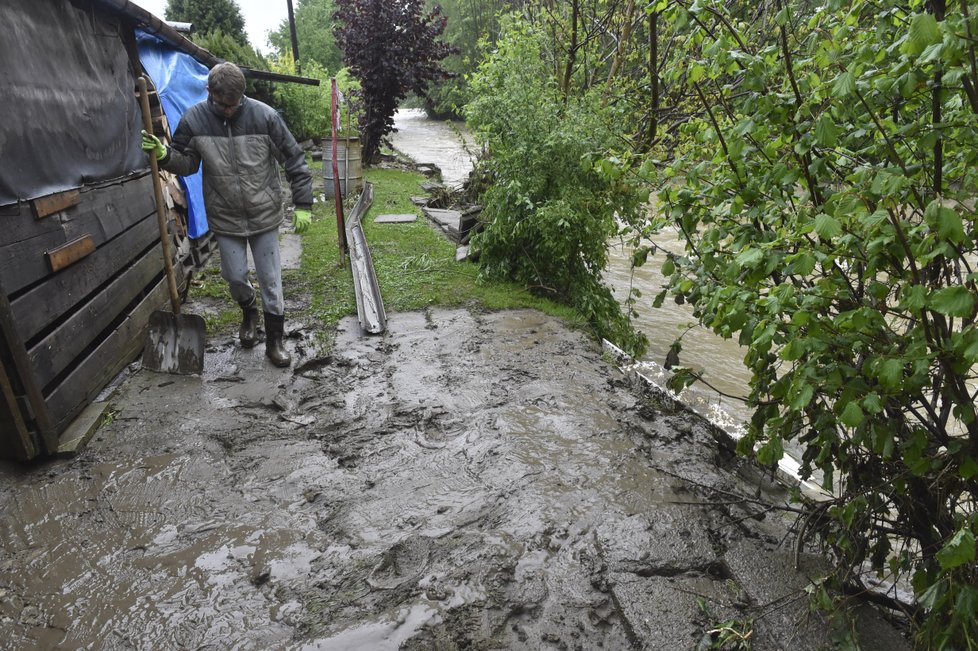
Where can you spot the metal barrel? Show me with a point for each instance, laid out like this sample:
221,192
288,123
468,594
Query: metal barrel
349,168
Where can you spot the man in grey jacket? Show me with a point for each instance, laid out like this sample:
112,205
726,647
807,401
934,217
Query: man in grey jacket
240,142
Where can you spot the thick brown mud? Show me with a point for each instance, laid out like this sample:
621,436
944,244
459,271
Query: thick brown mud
467,481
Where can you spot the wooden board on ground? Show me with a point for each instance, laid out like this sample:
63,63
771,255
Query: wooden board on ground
447,220
395,219
80,432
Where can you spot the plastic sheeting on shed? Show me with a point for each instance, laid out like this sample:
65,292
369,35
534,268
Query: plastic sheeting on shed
70,115
181,82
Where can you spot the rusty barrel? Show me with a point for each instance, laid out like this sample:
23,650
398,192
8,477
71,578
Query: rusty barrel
349,168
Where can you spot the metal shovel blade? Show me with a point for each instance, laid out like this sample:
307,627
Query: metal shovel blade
175,343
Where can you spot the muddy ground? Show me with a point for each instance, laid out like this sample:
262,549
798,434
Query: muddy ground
469,480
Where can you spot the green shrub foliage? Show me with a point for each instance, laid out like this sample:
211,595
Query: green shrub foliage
825,186
314,33
550,210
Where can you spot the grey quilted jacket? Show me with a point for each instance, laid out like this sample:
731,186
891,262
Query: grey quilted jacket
240,155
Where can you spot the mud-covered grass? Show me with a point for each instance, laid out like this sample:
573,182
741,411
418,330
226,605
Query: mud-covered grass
208,287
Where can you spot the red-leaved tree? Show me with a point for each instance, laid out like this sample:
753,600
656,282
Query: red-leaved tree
392,48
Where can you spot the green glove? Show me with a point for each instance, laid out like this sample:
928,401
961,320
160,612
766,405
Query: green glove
152,143
302,220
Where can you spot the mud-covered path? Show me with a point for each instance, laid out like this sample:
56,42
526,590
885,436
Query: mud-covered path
467,481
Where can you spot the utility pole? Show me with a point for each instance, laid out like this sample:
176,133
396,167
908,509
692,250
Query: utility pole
295,41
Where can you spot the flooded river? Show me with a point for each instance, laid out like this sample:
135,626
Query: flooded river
720,362
449,145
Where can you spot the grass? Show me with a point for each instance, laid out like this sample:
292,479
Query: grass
208,284
415,266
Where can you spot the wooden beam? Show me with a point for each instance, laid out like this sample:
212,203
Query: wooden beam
53,354
104,213
115,352
70,253
8,328
54,203
48,302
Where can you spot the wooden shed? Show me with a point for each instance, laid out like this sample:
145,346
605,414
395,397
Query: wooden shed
80,260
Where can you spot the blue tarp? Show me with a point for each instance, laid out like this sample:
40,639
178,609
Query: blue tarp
181,82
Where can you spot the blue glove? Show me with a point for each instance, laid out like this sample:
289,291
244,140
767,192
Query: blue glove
152,143
302,220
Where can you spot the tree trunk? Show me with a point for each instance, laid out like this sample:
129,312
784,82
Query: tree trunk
571,51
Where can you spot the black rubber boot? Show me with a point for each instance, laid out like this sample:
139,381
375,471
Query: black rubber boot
274,346
248,334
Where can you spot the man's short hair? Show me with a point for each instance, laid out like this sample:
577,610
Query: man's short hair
226,80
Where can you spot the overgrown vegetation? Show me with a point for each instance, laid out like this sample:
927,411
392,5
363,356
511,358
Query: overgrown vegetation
306,108
548,213
824,184
416,264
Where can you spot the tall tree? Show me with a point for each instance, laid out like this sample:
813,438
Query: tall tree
209,15
392,49
473,25
314,28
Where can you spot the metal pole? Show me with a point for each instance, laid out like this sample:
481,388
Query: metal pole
295,40
337,191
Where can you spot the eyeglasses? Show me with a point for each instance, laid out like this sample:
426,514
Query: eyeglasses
222,105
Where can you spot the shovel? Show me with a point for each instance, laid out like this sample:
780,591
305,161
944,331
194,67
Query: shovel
175,342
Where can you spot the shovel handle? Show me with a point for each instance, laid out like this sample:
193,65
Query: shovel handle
171,279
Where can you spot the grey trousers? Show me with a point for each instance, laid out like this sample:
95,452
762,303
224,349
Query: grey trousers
234,269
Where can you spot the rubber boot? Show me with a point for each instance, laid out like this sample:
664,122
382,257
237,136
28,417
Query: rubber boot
274,346
248,334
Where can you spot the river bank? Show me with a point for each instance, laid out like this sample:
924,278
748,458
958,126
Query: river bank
720,396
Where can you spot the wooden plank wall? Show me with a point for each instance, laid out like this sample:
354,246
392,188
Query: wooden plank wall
74,319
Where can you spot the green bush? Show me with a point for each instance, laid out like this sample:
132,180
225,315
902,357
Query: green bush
549,212
307,108
825,187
